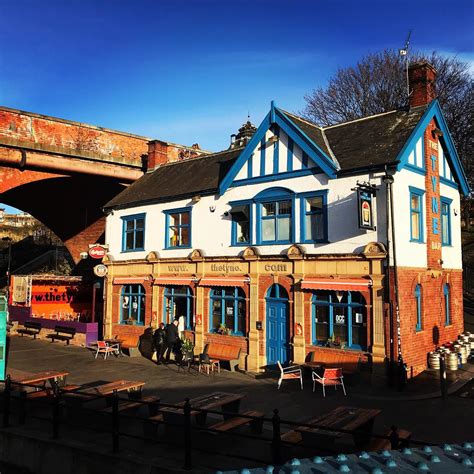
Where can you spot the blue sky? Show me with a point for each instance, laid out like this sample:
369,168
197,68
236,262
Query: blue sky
190,71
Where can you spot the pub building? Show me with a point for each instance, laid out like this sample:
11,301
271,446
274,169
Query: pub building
287,242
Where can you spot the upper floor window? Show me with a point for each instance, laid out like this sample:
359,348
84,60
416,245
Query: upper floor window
447,313
446,221
419,322
241,213
416,214
228,310
178,228
132,304
314,217
133,237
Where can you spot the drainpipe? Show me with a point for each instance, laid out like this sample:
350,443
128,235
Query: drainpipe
401,375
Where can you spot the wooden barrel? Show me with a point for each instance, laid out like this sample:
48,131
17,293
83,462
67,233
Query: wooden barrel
433,360
452,361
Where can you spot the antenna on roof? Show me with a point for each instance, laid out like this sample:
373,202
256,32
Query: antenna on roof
404,52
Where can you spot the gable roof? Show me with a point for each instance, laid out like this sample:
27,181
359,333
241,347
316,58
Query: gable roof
178,180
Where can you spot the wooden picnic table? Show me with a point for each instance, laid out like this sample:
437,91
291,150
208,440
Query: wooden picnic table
29,378
343,417
228,402
133,388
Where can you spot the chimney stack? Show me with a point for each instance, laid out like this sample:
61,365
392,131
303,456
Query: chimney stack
157,154
422,78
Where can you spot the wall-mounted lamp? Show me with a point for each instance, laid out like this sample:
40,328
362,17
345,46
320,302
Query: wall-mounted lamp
196,199
436,132
212,208
83,255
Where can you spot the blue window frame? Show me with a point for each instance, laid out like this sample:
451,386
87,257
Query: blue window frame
313,213
178,228
419,312
446,221
228,311
416,214
339,316
178,301
132,305
242,217
133,234
447,312
275,216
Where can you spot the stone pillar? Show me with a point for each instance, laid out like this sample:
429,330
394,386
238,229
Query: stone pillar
254,361
378,324
299,347
199,329
108,302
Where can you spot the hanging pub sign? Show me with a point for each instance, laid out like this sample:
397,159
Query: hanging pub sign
365,202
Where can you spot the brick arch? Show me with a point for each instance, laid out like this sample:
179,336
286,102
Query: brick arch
70,206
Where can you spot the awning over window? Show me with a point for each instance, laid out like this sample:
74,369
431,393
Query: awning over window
129,280
223,281
172,281
341,284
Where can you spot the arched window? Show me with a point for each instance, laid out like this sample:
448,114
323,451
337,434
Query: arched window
178,301
277,292
132,304
228,311
447,320
339,317
419,322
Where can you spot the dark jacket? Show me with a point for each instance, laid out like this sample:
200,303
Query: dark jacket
172,334
159,337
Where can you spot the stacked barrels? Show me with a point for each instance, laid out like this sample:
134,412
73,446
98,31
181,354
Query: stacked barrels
456,352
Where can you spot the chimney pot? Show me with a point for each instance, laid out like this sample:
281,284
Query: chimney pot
422,78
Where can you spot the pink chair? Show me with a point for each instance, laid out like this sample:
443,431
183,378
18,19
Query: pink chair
106,349
330,377
287,373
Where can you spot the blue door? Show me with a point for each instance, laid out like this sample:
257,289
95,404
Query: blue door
277,325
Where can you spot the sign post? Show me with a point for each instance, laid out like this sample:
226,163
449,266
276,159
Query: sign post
3,336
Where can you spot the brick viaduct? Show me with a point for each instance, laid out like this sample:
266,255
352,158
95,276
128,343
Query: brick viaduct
63,172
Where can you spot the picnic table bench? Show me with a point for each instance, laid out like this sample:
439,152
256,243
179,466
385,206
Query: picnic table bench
129,343
62,333
31,328
256,423
360,420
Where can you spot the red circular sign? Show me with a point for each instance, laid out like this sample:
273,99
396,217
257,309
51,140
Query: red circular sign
97,251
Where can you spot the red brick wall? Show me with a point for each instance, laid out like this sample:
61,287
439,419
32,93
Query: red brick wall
417,344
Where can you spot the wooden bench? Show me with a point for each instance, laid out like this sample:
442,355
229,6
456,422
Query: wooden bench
256,424
349,361
130,344
62,333
30,328
151,402
379,444
292,437
223,352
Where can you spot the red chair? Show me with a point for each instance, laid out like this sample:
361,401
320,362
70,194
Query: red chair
293,372
106,349
330,377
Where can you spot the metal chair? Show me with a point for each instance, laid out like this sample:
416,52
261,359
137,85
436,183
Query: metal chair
293,372
106,349
330,377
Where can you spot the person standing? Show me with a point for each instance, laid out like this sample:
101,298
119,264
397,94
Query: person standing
159,341
181,326
171,338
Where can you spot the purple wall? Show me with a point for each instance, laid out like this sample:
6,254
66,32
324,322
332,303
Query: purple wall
91,330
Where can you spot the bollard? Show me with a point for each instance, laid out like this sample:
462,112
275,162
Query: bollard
442,377
276,443
187,435
6,401
115,423
55,417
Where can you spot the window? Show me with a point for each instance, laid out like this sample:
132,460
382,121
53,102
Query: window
132,304
178,228
314,217
178,301
419,325
416,214
446,221
133,236
241,213
276,221
228,310
339,317
447,320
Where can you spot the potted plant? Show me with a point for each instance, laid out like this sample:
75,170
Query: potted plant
187,349
333,341
223,329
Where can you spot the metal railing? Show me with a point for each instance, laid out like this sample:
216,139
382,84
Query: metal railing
56,399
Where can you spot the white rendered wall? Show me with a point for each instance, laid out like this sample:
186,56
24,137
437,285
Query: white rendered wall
452,255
